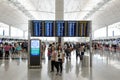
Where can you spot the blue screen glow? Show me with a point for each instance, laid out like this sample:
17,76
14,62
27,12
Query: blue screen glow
60,28
35,47
37,28
71,29
49,28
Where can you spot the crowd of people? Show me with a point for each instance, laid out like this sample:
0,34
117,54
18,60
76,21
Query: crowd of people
108,47
12,48
57,54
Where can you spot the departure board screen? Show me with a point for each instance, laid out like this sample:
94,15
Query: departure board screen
83,29
49,29
60,28
37,28
71,29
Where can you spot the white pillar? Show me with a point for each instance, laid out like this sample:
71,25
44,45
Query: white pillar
107,31
9,31
59,9
23,34
59,15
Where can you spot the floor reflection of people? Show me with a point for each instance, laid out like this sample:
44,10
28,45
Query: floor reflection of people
0,62
18,62
84,70
34,74
77,68
68,66
6,62
48,70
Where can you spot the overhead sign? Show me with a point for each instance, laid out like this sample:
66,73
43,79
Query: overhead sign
49,29
83,29
60,28
71,28
37,28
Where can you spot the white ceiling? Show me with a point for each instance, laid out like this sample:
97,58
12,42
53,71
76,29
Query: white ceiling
10,15
101,12
109,14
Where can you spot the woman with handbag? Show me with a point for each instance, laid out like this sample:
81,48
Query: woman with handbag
59,60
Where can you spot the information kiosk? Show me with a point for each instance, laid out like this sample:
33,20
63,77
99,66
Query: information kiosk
35,52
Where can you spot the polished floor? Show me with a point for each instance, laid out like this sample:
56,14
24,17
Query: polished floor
106,66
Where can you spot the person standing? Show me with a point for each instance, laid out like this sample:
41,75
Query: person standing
77,50
18,48
59,60
1,51
49,51
82,52
53,55
7,49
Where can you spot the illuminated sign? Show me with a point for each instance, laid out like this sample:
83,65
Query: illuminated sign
71,28
37,28
35,47
83,29
49,29
60,28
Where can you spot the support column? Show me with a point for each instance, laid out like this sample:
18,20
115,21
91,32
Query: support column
59,15
23,34
90,34
59,9
9,31
107,31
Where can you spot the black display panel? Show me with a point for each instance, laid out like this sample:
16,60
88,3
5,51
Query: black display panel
60,28
35,52
71,29
49,29
83,29
37,28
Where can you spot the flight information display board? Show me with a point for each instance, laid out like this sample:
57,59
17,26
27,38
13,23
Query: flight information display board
49,29
83,29
60,28
37,28
71,29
